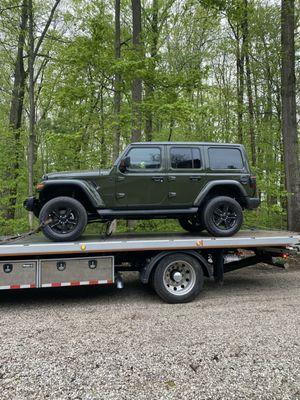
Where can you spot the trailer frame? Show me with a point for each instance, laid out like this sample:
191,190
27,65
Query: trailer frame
200,255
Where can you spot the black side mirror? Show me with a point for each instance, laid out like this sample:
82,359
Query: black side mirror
124,164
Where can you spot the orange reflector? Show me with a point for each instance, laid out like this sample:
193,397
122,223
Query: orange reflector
40,186
199,243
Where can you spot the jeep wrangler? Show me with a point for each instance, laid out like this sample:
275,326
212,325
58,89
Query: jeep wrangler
203,185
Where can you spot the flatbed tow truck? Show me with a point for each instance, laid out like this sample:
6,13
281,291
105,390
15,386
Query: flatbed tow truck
173,264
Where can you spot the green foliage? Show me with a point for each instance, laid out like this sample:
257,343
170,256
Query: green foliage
188,69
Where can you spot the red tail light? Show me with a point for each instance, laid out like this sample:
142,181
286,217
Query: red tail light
253,182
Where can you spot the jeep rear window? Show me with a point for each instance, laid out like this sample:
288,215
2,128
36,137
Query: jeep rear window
185,158
225,158
145,158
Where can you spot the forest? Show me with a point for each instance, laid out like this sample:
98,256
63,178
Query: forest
81,79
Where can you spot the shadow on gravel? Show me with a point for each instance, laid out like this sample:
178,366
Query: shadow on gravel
134,291
106,294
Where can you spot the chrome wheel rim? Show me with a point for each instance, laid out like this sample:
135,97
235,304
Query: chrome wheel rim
179,277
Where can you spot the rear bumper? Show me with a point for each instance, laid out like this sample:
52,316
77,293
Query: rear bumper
32,204
252,202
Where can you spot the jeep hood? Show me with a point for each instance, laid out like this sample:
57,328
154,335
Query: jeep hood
88,174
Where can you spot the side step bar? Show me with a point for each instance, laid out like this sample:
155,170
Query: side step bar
144,214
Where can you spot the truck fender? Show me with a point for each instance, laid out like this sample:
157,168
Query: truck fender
84,186
146,270
210,185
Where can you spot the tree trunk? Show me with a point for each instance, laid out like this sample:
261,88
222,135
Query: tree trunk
153,53
117,84
245,27
289,124
137,82
33,52
171,127
268,110
250,110
16,108
240,90
16,112
32,136
103,150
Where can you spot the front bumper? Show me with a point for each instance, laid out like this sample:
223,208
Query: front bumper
252,202
32,204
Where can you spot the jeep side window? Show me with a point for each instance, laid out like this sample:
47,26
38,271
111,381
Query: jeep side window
144,158
185,158
223,158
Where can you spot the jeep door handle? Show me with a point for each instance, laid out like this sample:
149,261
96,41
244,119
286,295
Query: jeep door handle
195,178
158,178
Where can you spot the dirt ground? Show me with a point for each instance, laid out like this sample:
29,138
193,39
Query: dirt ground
239,341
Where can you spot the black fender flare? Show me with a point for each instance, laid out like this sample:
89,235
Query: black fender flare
86,187
146,270
210,185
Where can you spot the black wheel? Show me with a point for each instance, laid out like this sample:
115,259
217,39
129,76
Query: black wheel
178,278
191,224
223,216
67,217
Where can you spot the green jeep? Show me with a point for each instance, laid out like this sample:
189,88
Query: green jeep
203,185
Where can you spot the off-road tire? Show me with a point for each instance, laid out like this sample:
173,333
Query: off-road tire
209,216
60,203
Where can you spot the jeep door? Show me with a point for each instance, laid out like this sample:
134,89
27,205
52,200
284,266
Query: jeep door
186,174
143,184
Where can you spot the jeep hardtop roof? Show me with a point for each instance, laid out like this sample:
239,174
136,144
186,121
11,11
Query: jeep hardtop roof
186,144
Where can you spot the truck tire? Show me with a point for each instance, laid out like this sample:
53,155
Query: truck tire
178,278
68,219
191,224
223,216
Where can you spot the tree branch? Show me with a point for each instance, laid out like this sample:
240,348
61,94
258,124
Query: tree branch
9,8
41,68
40,41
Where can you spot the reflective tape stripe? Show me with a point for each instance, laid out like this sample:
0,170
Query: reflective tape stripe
58,284
78,283
31,285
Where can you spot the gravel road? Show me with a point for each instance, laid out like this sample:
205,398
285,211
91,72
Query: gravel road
240,341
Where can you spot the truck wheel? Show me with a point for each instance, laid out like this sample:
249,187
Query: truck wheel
223,216
178,278
191,224
67,217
